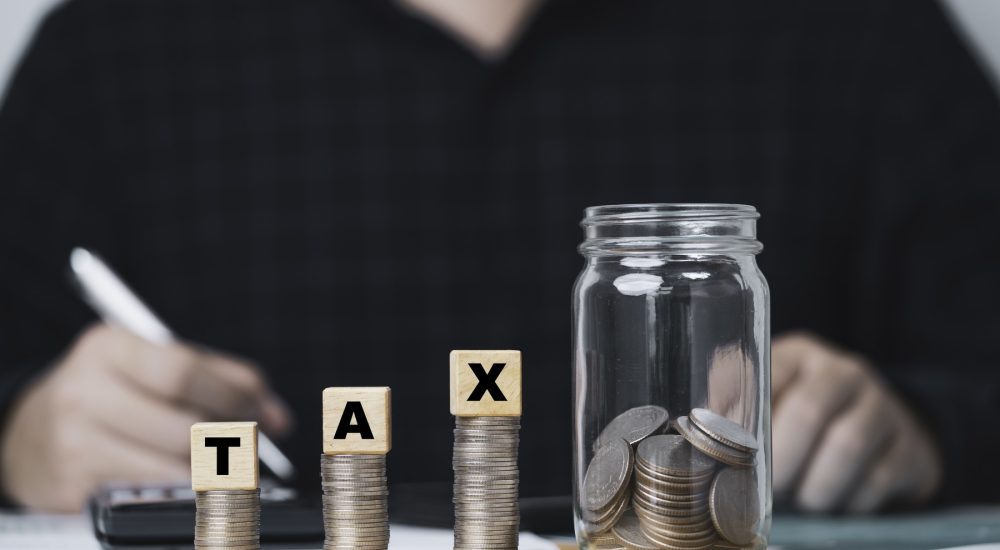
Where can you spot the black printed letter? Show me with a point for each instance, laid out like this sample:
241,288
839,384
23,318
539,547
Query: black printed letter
487,382
222,445
353,409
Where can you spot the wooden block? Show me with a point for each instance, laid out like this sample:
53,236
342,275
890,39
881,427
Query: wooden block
357,421
224,456
485,383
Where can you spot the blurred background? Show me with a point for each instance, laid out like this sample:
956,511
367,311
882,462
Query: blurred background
294,185
977,20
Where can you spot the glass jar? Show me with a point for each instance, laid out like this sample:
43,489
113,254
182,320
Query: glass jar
672,436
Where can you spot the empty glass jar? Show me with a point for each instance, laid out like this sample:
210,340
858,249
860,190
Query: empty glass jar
672,379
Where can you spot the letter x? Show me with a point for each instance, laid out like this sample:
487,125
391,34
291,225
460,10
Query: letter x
487,382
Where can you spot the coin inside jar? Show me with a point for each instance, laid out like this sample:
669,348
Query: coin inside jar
723,430
607,475
633,425
734,505
711,447
674,456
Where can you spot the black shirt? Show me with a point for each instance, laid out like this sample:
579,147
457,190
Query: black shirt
343,193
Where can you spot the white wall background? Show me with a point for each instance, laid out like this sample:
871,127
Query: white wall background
979,20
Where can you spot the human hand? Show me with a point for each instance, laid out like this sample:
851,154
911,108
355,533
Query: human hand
117,407
842,441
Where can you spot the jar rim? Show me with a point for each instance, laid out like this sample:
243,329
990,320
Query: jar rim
684,228
666,211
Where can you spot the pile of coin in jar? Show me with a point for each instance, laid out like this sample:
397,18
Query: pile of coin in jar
688,484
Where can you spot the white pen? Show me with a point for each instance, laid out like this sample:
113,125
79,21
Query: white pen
117,305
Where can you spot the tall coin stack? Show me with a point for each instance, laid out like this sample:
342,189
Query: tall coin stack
486,482
225,479
227,519
355,502
357,435
486,401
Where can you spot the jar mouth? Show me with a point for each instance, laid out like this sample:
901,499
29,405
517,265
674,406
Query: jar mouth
666,211
651,228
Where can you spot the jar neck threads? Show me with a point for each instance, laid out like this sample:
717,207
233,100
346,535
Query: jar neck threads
665,228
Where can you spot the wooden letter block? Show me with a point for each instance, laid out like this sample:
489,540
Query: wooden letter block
224,456
485,383
357,421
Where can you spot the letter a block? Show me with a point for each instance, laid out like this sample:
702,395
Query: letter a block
485,383
357,421
224,456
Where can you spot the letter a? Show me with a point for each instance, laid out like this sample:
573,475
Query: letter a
352,410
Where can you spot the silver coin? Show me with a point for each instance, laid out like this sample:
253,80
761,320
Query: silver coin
607,475
630,533
723,430
633,425
711,447
735,505
672,454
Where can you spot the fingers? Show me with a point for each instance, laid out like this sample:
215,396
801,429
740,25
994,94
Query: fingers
826,384
119,460
846,450
787,353
211,384
882,481
131,462
150,422
908,472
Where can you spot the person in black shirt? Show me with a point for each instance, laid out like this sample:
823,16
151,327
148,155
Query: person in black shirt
341,192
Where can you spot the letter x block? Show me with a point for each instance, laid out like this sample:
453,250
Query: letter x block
357,421
485,383
224,456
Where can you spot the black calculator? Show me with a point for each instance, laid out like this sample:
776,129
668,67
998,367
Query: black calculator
157,517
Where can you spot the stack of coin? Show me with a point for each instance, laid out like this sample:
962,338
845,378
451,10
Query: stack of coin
227,519
486,482
690,491
670,497
355,502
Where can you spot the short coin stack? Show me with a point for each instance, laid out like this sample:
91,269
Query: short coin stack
227,519
226,481
486,482
695,490
355,502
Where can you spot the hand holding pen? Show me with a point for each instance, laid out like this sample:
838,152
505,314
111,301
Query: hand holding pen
118,407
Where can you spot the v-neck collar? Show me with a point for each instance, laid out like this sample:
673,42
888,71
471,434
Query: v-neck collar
533,29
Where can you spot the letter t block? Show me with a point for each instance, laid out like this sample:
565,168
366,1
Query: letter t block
357,421
224,456
485,383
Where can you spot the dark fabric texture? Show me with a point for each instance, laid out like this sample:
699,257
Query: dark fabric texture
343,193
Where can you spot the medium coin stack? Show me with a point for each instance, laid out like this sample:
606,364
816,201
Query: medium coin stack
227,519
486,482
355,502
670,498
